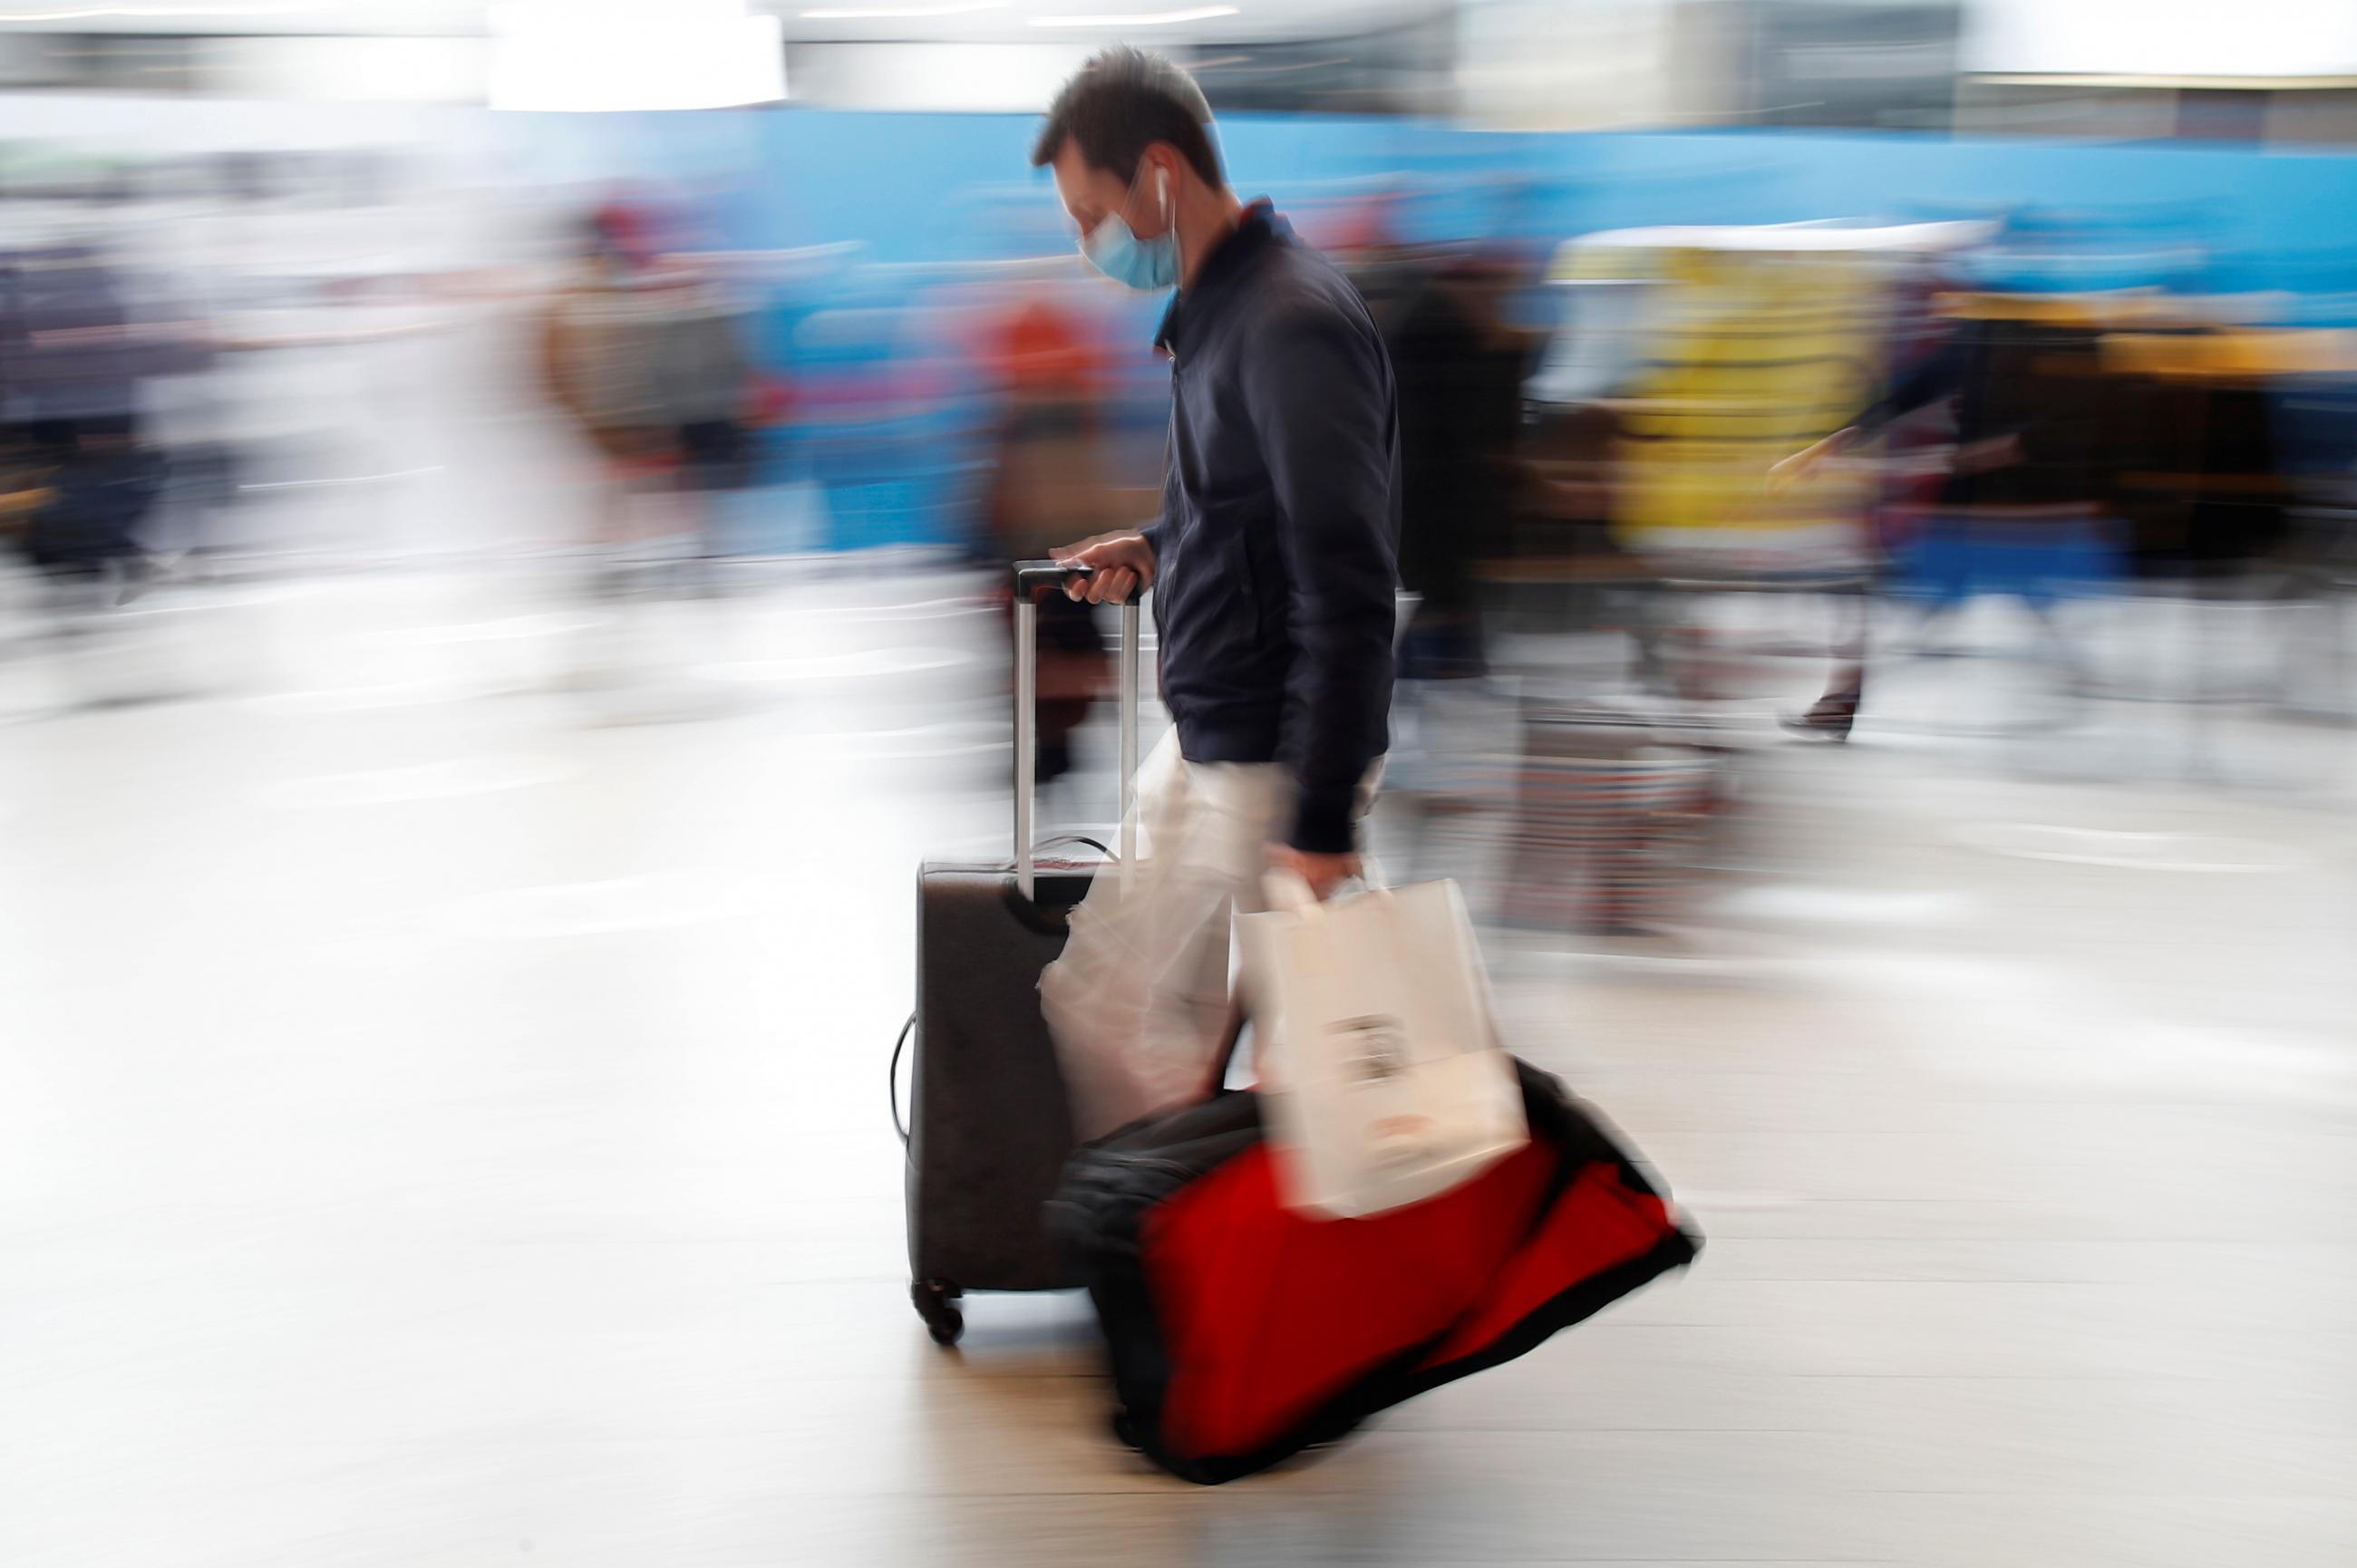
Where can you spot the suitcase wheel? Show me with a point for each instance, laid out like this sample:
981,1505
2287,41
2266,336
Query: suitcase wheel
936,1302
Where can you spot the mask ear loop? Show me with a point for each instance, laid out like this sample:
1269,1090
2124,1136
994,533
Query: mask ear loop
1162,194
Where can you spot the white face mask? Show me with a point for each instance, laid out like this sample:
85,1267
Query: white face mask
1115,249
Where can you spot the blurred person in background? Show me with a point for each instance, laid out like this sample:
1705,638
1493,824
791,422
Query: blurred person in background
1461,371
2017,477
644,357
73,356
1047,485
1274,568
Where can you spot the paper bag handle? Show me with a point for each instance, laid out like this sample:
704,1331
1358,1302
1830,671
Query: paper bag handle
1289,891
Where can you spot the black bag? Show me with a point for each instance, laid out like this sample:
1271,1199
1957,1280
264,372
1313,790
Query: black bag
989,1127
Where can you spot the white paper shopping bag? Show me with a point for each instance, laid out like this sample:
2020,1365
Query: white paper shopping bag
1382,1079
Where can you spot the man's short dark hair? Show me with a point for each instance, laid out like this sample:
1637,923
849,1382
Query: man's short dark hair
1123,102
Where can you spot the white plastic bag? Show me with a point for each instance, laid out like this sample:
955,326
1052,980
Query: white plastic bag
1382,1079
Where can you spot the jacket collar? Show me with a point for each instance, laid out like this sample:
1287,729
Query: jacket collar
1230,263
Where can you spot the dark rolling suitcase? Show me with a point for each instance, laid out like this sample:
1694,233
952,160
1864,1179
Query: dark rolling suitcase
989,1129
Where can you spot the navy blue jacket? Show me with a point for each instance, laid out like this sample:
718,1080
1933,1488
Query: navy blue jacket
1276,555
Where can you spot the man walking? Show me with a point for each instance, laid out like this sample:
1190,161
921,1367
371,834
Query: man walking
1273,563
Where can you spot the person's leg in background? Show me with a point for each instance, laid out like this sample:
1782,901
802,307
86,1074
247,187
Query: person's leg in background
1833,713
630,537
715,464
1074,668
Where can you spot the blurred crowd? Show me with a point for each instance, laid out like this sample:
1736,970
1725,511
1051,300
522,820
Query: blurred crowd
1601,554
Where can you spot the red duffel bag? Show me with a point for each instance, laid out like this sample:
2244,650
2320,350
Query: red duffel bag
1242,1331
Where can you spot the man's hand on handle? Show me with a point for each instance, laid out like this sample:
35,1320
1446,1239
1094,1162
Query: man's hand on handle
1120,567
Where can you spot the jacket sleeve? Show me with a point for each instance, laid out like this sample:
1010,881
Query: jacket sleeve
1320,399
1152,531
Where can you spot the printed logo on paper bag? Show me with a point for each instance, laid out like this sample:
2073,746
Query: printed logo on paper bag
1375,1048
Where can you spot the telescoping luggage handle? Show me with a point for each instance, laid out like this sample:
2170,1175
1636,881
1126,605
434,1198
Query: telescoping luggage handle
1033,578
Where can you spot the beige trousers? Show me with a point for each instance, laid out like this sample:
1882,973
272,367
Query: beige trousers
1138,1001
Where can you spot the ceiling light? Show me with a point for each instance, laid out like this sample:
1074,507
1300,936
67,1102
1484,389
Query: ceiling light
574,54
1138,18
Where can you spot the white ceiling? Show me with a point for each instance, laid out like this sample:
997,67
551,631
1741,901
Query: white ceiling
1141,21
1138,21
432,17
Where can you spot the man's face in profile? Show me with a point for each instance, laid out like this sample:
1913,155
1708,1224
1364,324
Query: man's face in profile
1091,195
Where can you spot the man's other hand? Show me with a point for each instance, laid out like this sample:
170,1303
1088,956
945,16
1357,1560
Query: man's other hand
1809,459
1324,873
1120,567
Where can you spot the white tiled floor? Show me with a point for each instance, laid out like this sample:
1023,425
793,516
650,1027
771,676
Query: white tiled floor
443,1125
